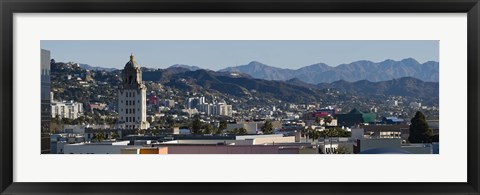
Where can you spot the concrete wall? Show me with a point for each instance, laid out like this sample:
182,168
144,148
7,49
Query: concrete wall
357,133
366,144
269,149
130,151
273,140
243,137
93,148
308,151
418,149
227,142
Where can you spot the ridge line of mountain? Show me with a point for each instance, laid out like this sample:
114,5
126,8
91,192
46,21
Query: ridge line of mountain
323,73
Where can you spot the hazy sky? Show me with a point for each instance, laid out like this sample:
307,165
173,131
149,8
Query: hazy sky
215,54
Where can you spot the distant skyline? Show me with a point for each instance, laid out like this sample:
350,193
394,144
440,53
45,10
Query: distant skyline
219,54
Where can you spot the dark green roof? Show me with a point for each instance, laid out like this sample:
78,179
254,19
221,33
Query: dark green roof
356,116
355,111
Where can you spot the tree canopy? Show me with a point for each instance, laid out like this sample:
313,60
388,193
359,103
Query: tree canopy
335,132
419,130
197,125
223,125
267,127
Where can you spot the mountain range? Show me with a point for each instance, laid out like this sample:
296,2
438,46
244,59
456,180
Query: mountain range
89,67
290,90
355,71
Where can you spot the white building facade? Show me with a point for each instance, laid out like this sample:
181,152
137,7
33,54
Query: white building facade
132,98
222,110
70,109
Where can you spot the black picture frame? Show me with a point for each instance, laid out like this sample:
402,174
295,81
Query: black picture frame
9,7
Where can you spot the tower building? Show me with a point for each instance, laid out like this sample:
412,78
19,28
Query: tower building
132,98
45,101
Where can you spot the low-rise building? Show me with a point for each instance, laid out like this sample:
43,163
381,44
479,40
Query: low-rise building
104,147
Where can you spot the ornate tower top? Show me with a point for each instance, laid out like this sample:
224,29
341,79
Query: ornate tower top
132,74
131,63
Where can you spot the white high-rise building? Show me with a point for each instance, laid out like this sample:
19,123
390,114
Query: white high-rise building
132,98
222,109
70,109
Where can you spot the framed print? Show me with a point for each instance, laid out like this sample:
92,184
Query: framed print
250,97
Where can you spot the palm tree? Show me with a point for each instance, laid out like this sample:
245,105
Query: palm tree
98,137
114,135
223,125
242,131
208,129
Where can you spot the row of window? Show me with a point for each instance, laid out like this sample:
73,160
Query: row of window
130,119
130,110
130,94
130,102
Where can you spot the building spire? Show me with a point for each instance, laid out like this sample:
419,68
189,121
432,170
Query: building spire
131,57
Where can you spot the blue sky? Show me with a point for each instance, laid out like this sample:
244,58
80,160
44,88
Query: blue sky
218,54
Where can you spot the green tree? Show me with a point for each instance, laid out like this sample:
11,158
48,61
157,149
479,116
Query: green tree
335,132
154,131
114,135
306,131
342,150
80,120
419,130
217,130
170,121
314,134
233,131
208,129
327,120
267,127
57,119
197,125
223,125
242,131
98,137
